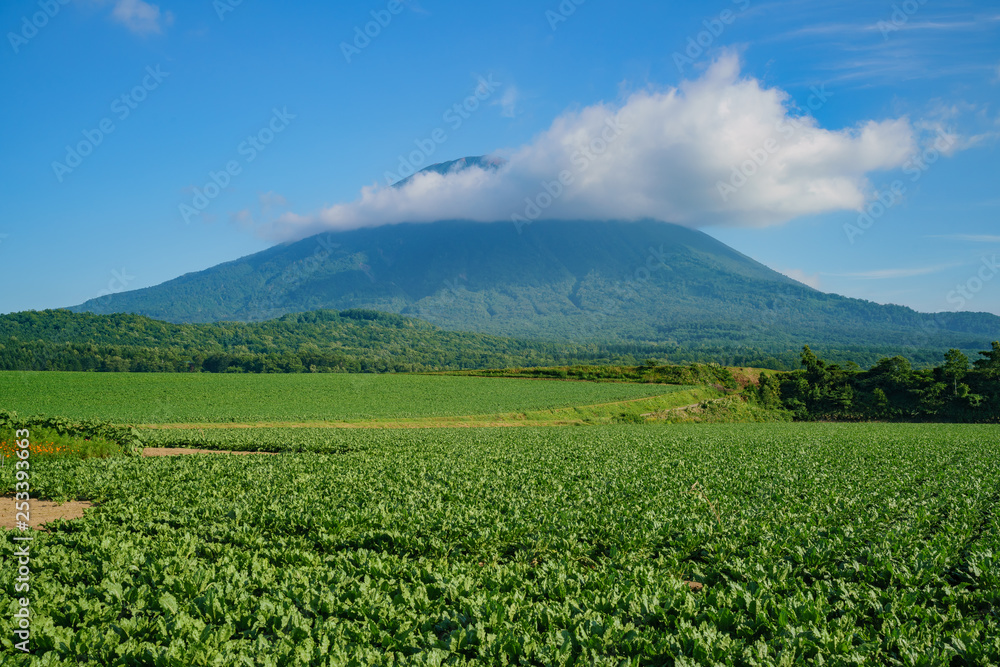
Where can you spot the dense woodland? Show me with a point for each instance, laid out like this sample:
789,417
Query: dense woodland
356,341
956,390
322,341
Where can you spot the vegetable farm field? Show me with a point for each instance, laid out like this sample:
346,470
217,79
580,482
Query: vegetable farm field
733,544
142,398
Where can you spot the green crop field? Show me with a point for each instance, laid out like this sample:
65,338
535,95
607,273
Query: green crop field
812,544
202,397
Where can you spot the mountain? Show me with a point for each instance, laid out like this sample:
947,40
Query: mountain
642,282
485,162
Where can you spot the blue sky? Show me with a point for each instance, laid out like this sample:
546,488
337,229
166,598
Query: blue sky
887,93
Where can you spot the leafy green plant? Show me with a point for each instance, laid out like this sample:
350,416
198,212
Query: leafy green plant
746,544
49,442
150,398
80,438
628,418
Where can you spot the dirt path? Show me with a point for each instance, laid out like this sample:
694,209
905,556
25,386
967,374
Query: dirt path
669,410
40,511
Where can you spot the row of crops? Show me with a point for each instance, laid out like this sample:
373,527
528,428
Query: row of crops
147,398
287,440
814,544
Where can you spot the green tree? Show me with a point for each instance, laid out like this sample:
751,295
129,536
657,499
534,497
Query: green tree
990,363
956,365
769,391
881,401
816,371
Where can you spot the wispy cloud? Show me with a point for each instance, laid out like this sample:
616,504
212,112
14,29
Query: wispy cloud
884,46
906,58
940,25
141,18
271,199
243,219
971,238
854,30
810,279
819,29
886,274
508,103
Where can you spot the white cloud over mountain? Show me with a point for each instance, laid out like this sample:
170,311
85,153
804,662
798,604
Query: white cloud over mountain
719,150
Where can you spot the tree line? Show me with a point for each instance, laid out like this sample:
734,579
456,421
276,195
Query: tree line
955,390
356,341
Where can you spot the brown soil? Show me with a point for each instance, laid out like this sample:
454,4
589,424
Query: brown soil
746,376
694,407
40,511
179,451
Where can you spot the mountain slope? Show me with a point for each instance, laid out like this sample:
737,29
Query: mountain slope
622,281
485,162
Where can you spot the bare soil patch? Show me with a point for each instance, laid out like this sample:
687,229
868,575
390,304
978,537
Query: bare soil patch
41,511
746,376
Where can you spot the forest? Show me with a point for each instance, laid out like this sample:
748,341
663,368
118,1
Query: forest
359,341
956,390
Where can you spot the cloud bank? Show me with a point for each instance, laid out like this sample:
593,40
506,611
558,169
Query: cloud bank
719,150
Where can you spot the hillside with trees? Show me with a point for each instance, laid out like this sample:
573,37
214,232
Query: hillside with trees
956,390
